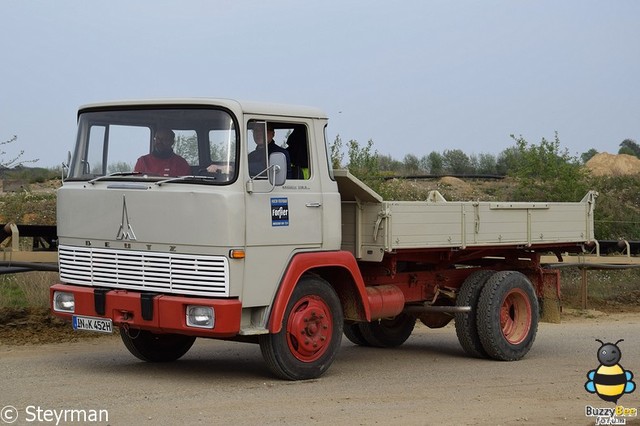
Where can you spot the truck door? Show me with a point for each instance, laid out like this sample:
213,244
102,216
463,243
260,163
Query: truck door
279,219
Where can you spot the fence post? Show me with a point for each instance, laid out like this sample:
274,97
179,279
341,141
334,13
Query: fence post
583,289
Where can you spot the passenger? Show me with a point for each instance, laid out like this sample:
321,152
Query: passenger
163,161
256,157
297,147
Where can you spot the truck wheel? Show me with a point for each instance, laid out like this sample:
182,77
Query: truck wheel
466,323
353,333
388,332
153,347
311,332
507,316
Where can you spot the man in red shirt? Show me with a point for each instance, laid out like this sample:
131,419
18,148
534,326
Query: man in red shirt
163,161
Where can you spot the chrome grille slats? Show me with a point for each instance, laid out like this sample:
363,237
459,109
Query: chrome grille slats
145,271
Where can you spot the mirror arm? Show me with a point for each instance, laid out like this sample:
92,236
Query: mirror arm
249,184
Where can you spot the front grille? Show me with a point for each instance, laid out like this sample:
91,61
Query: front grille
145,271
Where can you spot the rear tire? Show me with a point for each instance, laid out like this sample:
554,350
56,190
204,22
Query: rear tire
311,332
508,314
388,332
467,323
152,347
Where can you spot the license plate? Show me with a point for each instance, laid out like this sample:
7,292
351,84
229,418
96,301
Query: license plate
100,325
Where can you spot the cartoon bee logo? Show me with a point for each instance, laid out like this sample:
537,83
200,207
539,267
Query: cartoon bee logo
609,381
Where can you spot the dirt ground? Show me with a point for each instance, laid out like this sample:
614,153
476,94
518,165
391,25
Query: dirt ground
33,326
427,381
36,326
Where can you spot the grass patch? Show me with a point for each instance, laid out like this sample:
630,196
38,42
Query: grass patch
28,289
28,208
610,290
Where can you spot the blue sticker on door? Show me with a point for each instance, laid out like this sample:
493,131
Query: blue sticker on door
280,211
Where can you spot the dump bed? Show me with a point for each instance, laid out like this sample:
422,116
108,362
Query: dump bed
372,226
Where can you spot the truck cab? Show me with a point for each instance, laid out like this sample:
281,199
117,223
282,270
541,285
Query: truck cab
133,223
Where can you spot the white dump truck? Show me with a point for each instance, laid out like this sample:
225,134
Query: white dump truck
222,219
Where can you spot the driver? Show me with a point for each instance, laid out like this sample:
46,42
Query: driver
163,161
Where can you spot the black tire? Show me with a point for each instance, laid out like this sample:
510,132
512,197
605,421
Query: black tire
508,316
352,332
311,332
467,323
388,332
152,347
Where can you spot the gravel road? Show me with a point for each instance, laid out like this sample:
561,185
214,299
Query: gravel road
426,381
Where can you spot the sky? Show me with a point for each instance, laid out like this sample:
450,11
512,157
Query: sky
414,76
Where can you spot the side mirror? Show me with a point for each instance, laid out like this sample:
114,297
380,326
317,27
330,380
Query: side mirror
278,166
66,166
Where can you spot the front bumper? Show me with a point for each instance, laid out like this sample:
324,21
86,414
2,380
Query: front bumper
158,313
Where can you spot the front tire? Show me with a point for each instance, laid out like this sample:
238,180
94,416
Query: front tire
311,332
508,316
152,347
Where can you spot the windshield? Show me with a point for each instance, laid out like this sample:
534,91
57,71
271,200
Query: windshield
156,144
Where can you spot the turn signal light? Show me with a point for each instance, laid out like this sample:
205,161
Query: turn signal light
236,254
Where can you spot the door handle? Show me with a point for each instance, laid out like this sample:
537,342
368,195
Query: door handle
314,204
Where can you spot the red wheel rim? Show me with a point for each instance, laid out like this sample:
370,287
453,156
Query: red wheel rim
515,316
309,328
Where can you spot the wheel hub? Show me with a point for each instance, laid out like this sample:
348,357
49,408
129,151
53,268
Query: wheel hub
309,329
515,316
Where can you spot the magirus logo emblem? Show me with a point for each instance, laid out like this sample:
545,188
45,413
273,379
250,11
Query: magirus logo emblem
126,231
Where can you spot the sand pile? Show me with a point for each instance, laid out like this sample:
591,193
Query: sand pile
604,164
456,183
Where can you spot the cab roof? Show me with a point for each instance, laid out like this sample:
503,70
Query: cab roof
245,107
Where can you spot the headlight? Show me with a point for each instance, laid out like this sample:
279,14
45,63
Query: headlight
200,316
63,301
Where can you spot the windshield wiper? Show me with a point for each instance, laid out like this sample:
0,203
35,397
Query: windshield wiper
92,181
182,178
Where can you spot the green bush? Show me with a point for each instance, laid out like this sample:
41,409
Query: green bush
28,208
546,172
617,213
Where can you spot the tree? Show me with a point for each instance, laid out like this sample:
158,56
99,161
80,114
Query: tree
586,156
456,161
629,146
363,161
364,164
434,163
507,160
336,154
487,164
546,172
389,164
120,166
187,148
411,164
12,161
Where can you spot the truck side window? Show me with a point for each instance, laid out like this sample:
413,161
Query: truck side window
256,142
93,161
288,138
298,148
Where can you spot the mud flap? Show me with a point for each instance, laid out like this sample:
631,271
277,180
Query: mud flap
550,303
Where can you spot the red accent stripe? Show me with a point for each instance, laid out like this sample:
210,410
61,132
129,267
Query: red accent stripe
304,262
